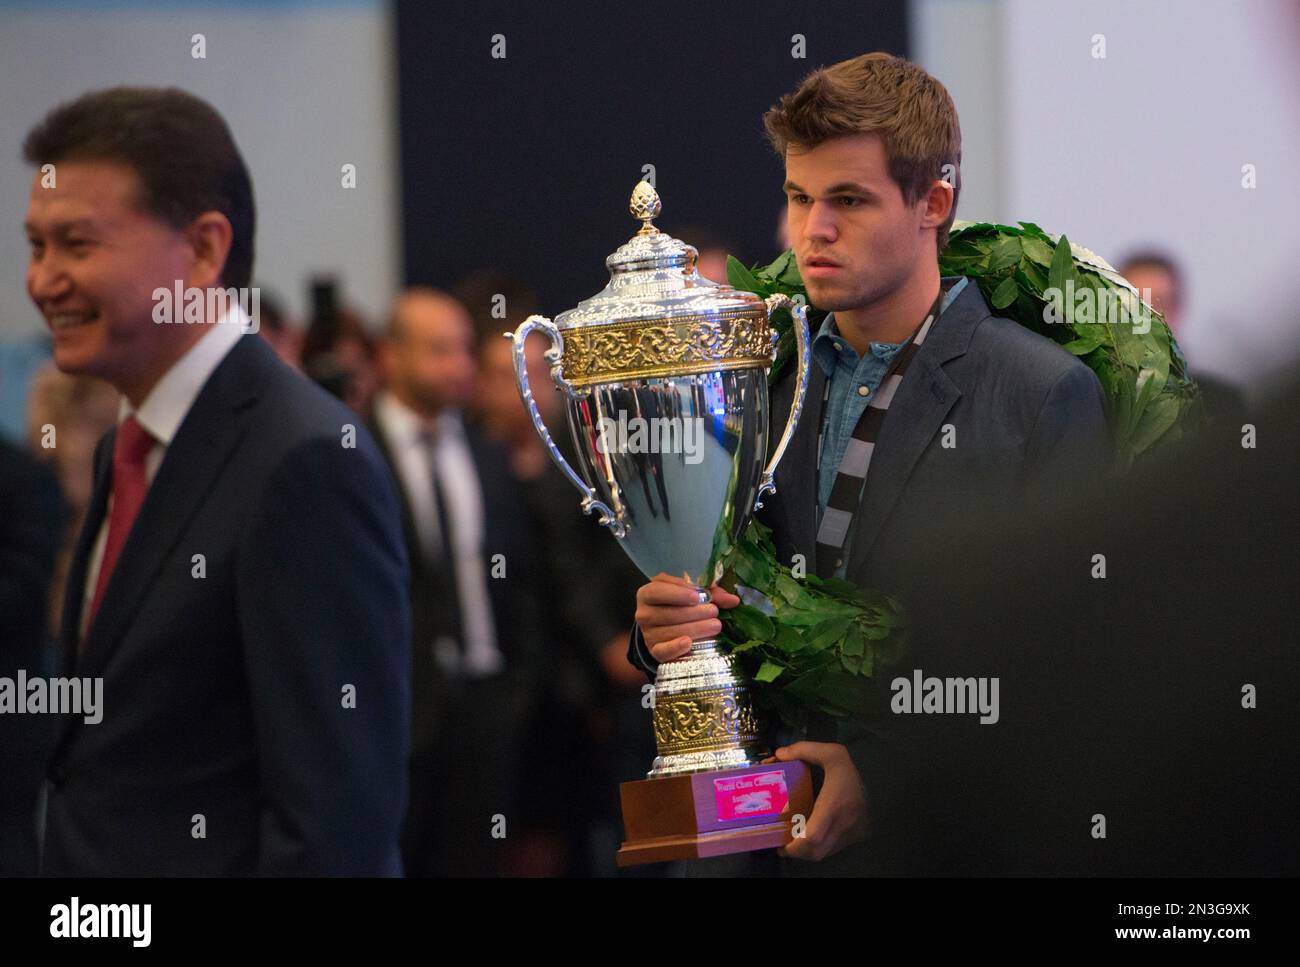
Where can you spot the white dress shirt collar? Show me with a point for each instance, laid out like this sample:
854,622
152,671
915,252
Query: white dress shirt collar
163,410
404,426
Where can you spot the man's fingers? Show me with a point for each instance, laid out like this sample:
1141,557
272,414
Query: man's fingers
662,593
692,630
808,846
650,616
723,598
671,649
820,754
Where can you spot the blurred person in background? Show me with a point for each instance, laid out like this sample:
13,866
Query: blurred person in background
713,249
337,351
31,526
76,411
275,326
20,360
474,610
782,233
1159,272
589,731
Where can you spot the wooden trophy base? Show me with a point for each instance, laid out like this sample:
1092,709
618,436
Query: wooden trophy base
713,813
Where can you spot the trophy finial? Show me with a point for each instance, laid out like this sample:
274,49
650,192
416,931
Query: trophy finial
645,205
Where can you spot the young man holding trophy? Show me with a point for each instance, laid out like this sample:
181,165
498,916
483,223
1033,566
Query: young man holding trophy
918,397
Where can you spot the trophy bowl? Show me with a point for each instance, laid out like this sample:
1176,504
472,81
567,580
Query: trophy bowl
665,378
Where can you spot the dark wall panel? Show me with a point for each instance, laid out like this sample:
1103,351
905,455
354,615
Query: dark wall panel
526,163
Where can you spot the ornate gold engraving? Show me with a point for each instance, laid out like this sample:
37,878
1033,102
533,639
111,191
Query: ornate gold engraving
675,347
703,720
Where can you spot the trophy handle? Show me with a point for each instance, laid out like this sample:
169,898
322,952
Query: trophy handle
553,355
799,312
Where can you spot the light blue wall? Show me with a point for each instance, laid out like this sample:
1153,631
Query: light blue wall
1145,146
305,87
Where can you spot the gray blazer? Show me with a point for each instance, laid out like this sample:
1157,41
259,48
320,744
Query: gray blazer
1023,412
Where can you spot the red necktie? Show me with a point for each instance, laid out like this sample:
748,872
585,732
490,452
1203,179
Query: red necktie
130,483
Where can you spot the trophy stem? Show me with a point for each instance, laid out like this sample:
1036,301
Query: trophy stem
704,718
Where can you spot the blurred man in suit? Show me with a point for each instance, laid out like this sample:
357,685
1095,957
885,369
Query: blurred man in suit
1158,273
919,398
474,607
240,583
31,527
588,730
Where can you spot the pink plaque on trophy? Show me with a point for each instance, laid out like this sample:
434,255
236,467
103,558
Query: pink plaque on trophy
752,795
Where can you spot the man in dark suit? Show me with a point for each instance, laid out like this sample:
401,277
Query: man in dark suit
473,602
31,525
915,386
240,584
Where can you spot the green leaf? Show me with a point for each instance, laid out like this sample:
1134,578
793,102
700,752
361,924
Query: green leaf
844,590
1062,266
1159,417
780,263
751,622
830,633
751,565
769,671
1005,293
740,277
826,609
789,272
1005,253
788,639
1033,278
1038,250
792,592
1083,345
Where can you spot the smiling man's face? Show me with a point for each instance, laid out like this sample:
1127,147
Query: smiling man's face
855,238
95,260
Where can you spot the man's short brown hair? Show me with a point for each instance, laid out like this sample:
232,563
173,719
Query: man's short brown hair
884,95
178,146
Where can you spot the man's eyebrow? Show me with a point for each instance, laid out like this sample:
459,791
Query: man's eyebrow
849,186
839,189
60,228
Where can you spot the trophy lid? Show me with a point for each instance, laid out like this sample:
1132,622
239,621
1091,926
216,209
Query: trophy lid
653,276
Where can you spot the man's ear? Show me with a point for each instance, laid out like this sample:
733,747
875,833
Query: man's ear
936,204
209,236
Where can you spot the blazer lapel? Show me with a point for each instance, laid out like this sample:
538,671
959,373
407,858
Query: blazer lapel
202,445
916,413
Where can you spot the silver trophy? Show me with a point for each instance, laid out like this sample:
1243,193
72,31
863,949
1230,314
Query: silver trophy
665,378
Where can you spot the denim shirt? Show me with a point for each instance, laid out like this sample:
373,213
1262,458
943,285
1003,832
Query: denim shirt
851,379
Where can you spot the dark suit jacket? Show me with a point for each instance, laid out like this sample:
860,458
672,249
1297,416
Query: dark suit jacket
31,530
1026,415
224,694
